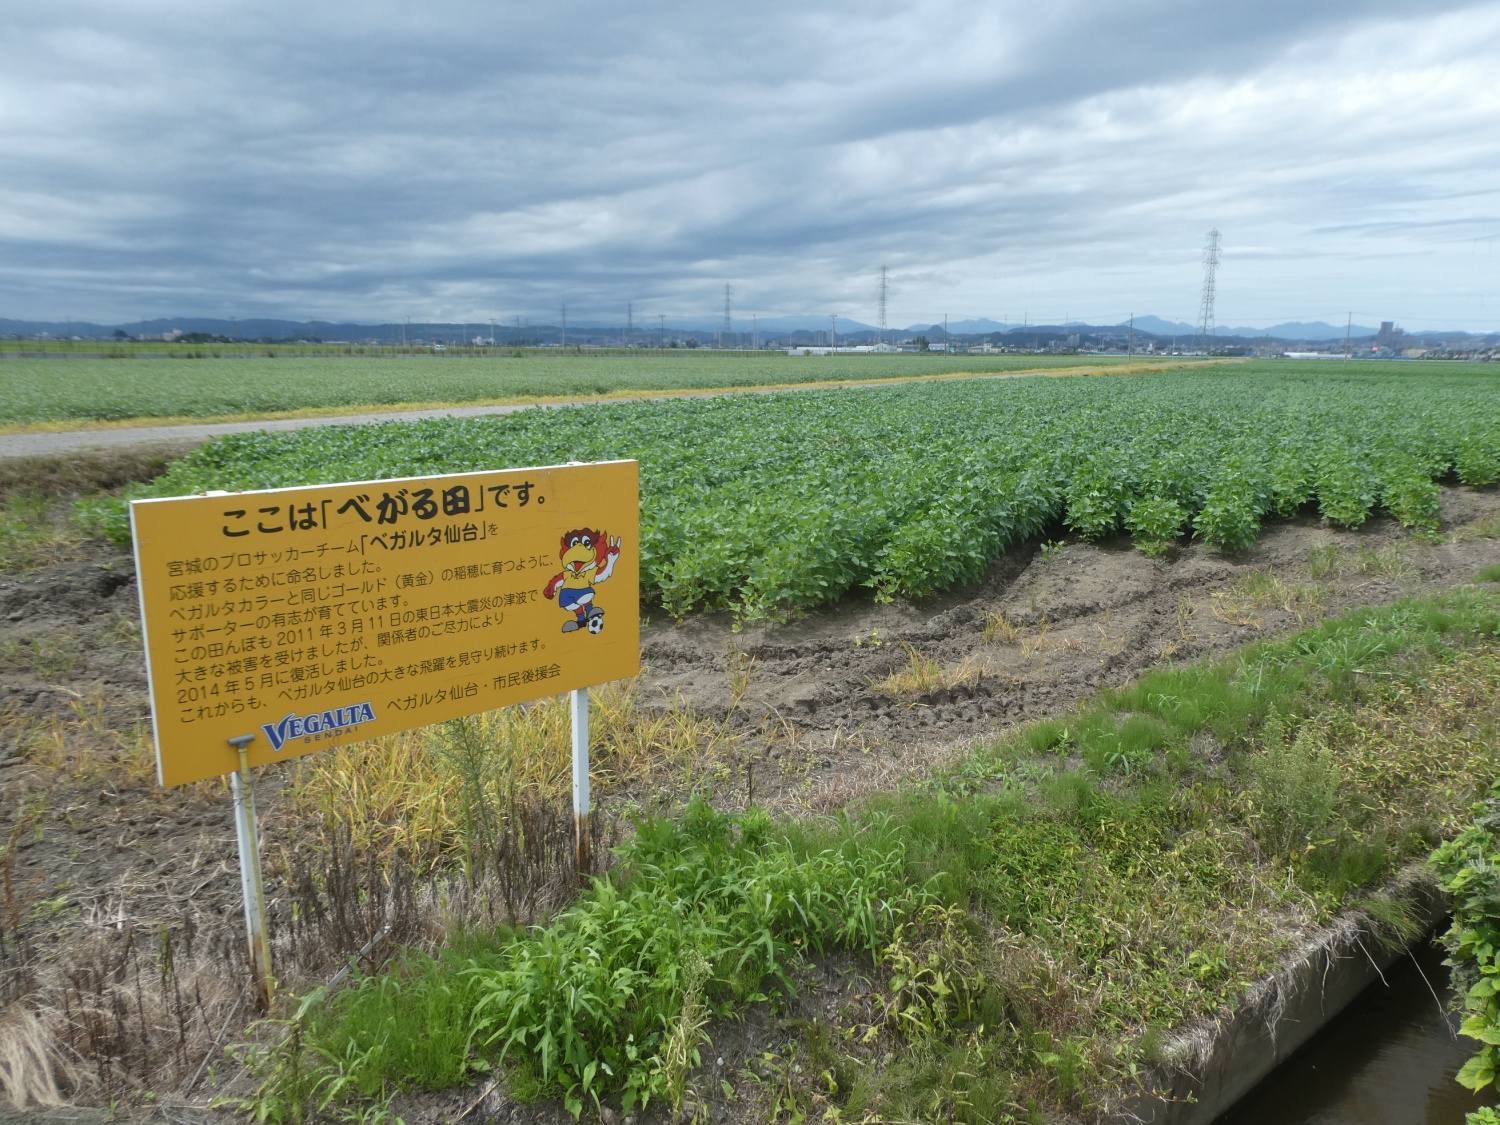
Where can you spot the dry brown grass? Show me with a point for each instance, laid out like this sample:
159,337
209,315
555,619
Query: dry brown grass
1110,645
91,744
999,629
416,793
29,1058
1034,644
924,676
78,474
145,1012
1233,609
1265,589
1485,527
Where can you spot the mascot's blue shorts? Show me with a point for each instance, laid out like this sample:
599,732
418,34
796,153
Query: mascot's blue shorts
569,599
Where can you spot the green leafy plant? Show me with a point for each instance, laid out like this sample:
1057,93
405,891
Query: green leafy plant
1469,872
773,503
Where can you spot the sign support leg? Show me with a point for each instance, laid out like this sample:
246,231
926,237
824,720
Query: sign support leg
241,785
582,836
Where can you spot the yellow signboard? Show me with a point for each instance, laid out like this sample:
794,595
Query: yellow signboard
311,617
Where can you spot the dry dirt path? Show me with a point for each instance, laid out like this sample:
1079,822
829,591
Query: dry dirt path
52,443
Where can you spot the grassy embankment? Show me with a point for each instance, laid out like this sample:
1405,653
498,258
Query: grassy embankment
1022,929
60,392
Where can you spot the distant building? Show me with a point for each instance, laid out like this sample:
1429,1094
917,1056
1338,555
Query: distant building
846,349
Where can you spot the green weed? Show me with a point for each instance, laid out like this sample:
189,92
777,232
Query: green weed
610,999
1323,562
49,656
1295,787
1384,562
31,532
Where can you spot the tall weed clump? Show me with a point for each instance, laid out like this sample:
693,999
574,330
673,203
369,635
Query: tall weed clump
706,913
1295,787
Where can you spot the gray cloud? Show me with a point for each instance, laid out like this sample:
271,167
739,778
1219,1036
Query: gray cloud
463,160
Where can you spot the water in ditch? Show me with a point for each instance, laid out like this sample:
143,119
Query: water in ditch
1388,1059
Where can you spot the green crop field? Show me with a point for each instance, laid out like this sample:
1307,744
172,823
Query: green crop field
191,382
767,502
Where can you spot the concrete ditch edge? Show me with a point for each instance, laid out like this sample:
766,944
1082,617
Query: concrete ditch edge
1217,1062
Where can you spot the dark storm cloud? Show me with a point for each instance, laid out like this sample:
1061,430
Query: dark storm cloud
466,160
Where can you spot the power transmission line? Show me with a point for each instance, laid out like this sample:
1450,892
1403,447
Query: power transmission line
881,338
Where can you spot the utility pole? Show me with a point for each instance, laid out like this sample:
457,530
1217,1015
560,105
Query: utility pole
405,332
629,320
945,333
1348,328
565,324
728,329
754,332
1130,347
662,340
833,339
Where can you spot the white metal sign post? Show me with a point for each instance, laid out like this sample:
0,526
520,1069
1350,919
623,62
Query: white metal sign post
584,842
242,785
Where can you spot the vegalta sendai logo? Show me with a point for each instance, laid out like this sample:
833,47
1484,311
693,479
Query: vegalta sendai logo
319,722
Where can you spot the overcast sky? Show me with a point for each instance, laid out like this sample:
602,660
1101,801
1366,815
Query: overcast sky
447,160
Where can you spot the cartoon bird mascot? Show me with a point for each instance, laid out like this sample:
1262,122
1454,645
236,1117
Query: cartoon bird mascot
588,558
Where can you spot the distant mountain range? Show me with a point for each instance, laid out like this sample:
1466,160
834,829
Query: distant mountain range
1154,326
268,329
1287,330
703,328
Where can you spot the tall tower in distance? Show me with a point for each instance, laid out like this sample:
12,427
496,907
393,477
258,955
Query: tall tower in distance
728,328
1210,267
882,303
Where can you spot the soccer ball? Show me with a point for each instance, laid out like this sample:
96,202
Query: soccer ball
596,623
